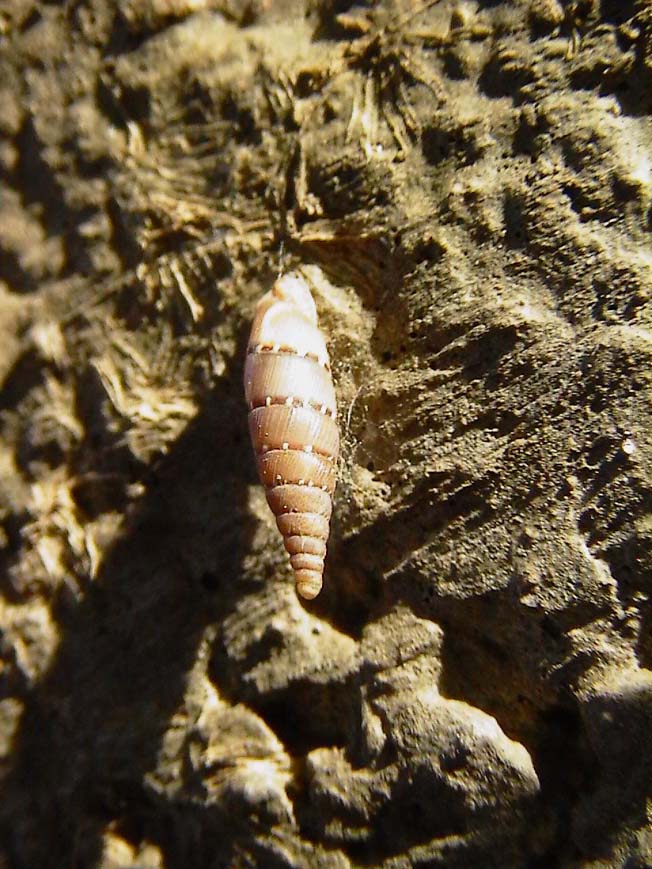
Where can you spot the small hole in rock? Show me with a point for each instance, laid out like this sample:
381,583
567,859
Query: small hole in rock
210,581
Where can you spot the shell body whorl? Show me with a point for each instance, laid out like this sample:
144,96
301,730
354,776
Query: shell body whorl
292,423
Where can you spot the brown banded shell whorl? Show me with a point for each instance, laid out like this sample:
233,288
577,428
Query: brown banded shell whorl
292,423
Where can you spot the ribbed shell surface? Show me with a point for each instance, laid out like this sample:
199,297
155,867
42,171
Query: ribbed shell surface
292,423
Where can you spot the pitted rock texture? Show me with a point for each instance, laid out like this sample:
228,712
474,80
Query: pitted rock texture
467,186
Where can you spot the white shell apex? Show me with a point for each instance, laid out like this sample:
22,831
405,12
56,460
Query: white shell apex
287,316
293,288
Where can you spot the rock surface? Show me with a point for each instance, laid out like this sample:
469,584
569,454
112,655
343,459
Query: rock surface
468,186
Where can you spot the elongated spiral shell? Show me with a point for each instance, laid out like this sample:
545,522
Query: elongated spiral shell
292,413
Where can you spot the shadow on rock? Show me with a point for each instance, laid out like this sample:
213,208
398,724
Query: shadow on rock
92,727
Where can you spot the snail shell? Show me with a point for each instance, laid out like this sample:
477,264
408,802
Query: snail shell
292,412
